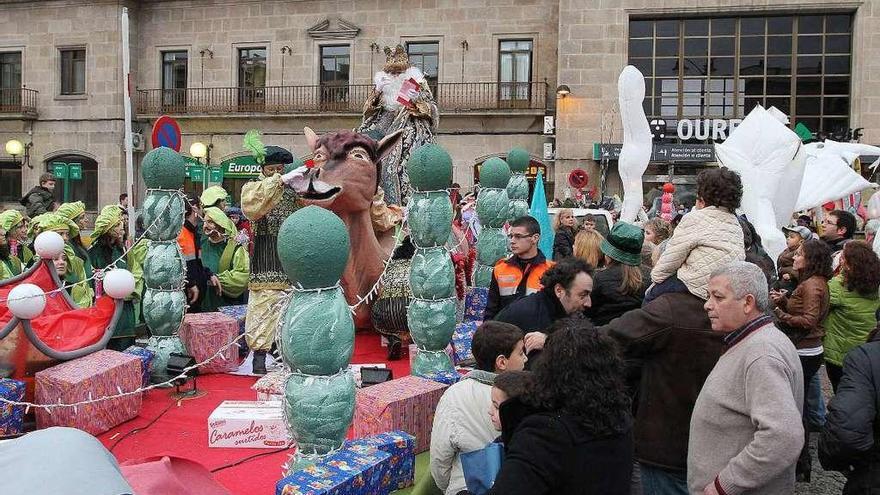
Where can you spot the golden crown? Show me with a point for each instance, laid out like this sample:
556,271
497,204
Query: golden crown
396,59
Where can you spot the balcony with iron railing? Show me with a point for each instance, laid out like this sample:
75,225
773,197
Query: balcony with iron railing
326,99
18,101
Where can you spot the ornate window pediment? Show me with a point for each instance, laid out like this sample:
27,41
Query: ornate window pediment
334,29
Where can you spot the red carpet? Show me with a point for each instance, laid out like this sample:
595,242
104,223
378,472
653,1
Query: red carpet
183,430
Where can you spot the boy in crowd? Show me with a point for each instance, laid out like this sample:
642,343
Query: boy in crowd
460,421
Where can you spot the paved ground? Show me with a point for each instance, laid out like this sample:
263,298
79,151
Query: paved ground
823,482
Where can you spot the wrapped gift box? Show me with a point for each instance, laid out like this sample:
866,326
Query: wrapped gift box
271,385
146,356
244,424
406,404
444,377
475,300
203,334
11,417
237,312
344,472
402,463
462,339
101,374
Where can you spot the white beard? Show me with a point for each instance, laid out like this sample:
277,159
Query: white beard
389,85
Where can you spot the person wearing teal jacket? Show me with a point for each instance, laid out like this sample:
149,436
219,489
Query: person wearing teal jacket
854,302
226,259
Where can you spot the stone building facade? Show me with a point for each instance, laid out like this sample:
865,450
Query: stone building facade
221,67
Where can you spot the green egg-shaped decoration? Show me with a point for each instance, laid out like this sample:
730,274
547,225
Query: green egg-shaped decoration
429,168
427,362
163,168
162,348
494,173
319,410
313,247
518,160
482,275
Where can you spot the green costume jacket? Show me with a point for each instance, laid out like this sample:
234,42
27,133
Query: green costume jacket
230,262
851,317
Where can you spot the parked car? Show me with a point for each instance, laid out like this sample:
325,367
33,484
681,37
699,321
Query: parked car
603,218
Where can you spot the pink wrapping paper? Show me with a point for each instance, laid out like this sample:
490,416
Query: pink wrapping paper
100,374
406,404
203,334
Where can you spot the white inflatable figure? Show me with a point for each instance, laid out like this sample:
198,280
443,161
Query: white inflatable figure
637,140
829,175
768,157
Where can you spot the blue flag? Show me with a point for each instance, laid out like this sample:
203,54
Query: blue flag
539,212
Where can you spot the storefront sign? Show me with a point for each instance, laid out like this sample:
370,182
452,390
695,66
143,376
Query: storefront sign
683,153
700,153
241,167
549,124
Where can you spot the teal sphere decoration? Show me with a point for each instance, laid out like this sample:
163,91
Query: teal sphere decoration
518,160
163,168
429,168
313,247
494,173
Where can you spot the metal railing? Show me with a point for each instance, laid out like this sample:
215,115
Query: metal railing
18,101
451,97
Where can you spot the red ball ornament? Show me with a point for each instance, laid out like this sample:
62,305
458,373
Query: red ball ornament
669,187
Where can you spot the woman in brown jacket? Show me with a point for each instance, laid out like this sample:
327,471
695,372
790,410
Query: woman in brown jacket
800,315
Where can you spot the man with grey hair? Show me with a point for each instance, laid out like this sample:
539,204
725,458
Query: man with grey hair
746,431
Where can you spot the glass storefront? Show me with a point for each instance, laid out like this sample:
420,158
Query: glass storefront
721,67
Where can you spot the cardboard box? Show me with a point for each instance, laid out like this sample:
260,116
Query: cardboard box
475,300
146,356
402,463
271,385
344,472
11,417
204,334
462,340
242,424
406,404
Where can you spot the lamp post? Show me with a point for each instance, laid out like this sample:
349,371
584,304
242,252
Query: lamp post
15,148
199,150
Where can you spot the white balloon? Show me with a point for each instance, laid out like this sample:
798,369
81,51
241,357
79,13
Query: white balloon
118,283
49,245
26,301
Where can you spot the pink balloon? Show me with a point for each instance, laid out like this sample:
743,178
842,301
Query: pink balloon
665,208
666,198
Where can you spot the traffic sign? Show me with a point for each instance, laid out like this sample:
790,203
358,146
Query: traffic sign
197,174
59,170
166,132
74,171
215,175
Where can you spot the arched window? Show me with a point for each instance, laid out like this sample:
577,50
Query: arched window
82,186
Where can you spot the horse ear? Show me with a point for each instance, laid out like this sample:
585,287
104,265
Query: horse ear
388,143
311,138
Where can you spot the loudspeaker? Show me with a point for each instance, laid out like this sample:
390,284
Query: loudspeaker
177,362
373,375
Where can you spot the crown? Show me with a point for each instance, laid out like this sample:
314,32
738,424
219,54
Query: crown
396,60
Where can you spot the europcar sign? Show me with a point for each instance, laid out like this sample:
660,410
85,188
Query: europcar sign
242,167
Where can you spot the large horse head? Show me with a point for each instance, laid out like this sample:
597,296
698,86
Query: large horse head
345,175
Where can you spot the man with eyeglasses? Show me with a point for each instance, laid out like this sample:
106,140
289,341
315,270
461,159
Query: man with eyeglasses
519,274
838,228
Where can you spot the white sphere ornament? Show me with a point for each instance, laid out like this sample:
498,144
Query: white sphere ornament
118,283
26,301
49,245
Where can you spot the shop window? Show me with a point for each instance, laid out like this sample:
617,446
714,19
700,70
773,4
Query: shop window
85,188
722,67
10,181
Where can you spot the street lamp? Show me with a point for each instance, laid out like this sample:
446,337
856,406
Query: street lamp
15,148
201,150
563,90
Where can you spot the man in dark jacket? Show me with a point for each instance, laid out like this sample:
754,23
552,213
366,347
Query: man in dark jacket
41,198
567,288
672,341
519,274
850,440
838,228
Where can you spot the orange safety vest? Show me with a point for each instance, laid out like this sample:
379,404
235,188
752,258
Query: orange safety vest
509,277
187,242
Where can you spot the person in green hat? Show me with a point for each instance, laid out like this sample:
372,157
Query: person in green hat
214,196
76,213
621,286
5,258
16,227
107,249
226,258
75,274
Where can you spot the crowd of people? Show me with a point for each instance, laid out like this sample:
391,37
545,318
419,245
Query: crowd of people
663,359
659,358
214,242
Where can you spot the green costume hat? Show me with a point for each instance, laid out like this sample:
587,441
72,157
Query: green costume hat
217,216
624,244
50,221
72,211
211,195
265,155
108,218
9,219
